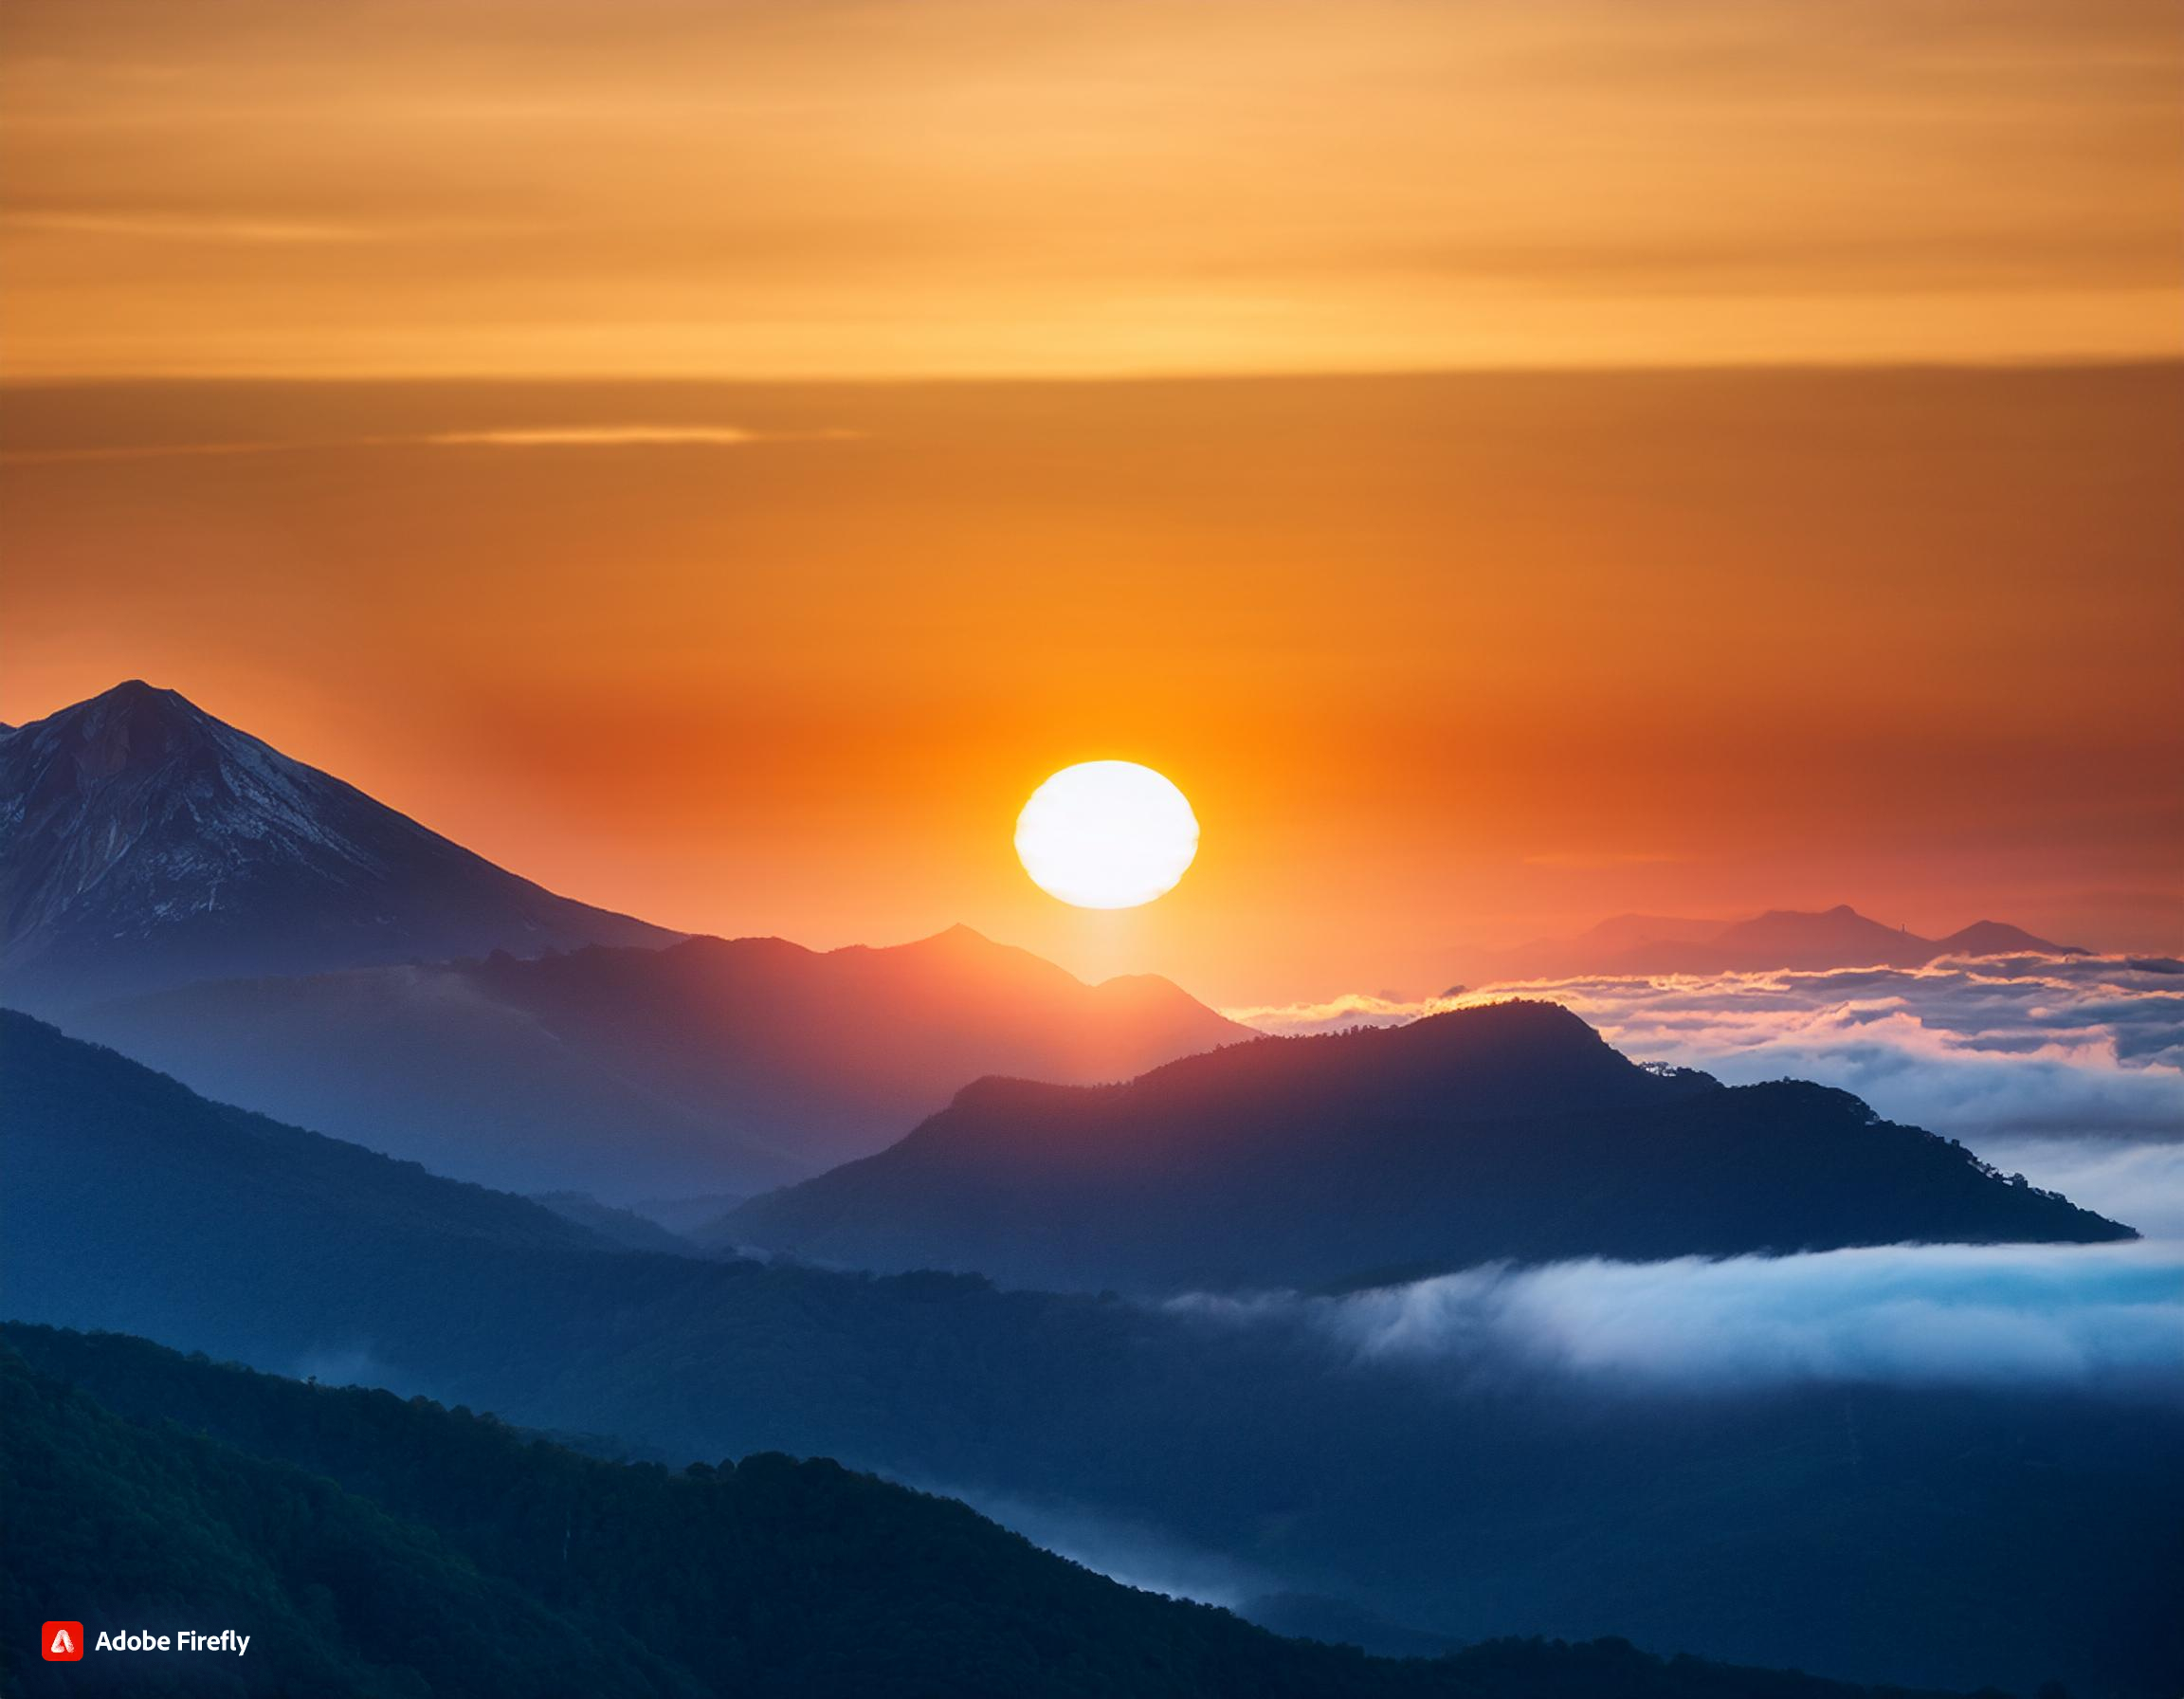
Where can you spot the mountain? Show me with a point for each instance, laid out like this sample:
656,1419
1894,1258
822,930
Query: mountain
144,844
713,1064
375,1547
1936,1536
1998,938
1838,937
140,1133
1781,938
1509,1130
426,1560
1583,953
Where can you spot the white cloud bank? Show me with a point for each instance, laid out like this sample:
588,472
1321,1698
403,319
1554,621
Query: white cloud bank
2067,1070
2092,1316
2015,1046
2138,1182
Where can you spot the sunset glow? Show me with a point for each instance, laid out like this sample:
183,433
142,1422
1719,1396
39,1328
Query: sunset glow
1106,834
619,621
1513,464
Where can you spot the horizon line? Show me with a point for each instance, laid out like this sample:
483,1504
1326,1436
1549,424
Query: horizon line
1788,365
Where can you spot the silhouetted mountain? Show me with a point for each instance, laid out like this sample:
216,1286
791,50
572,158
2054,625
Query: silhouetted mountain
1838,937
715,1065
1935,1537
140,1130
145,843
1582,953
1998,938
1507,1130
1782,937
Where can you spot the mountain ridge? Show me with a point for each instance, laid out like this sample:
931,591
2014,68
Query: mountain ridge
1809,940
146,843
1507,1131
722,1064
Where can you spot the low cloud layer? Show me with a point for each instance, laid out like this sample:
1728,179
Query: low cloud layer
2133,1181
2066,1070
1120,1547
2003,1047
2089,1315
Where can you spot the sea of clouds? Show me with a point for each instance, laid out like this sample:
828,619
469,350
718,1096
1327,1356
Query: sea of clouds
2069,1069
2099,1316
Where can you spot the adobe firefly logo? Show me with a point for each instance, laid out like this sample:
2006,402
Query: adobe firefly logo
62,1642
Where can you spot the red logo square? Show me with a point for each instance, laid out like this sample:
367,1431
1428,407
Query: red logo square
62,1642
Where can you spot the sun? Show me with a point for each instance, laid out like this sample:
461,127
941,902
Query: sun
1106,834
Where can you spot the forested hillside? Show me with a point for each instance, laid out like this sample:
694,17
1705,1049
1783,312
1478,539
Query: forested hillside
375,1547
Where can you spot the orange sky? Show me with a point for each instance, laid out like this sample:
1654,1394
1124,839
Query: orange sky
794,188
1440,659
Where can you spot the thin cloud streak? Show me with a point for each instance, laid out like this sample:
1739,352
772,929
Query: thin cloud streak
549,436
623,436
277,232
1119,1547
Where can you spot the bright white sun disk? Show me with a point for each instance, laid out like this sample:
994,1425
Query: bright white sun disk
1106,834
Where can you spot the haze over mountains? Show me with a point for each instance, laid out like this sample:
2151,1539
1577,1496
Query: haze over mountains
768,1577
1430,1460
718,1064
1781,938
145,843
1504,1131
1946,1536
162,874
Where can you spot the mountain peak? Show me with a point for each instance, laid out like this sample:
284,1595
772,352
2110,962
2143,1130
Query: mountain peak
136,697
145,843
1999,938
137,690
1842,911
968,950
961,937
133,722
1533,1017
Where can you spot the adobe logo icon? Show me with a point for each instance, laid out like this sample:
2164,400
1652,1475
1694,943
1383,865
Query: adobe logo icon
62,1642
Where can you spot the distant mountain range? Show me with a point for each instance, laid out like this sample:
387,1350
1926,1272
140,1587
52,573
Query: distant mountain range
172,886
144,844
1507,1130
713,1064
1937,1538
1781,938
